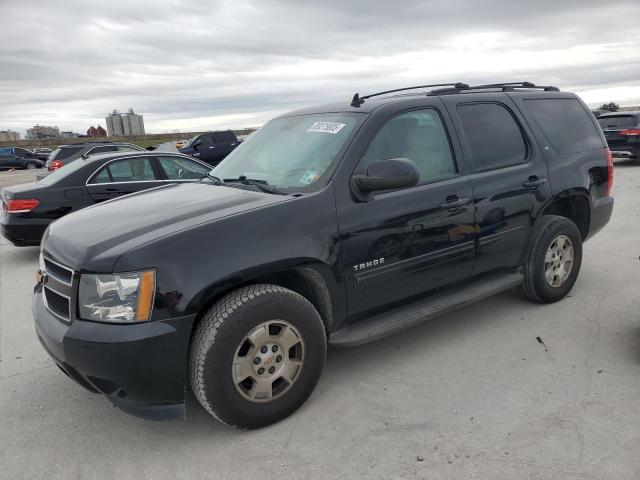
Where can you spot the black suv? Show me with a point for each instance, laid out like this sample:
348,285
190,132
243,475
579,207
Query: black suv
68,153
622,131
337,224
211,147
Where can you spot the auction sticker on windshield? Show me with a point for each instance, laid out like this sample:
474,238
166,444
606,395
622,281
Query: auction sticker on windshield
326,127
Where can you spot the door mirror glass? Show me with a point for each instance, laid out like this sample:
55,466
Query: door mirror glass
387,174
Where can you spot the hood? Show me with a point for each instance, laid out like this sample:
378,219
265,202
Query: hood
92,239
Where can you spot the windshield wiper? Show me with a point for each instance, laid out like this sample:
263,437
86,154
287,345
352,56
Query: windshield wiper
215,180
262,185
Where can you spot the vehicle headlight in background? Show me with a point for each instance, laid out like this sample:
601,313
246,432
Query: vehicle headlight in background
117,298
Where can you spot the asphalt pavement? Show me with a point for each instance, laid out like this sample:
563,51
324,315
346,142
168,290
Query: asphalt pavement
503,389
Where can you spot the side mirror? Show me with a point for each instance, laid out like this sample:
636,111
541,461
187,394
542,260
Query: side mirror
389,174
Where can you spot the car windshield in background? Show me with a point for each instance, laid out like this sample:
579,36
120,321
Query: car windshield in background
619,121
291,152
64,152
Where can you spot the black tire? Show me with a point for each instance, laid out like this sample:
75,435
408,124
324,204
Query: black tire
31,166
535,285
222,330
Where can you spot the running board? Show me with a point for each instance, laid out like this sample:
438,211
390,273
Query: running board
401,318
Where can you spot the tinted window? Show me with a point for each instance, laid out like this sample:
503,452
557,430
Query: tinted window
6,151
127,148
419,136
223,137
126,170
493,136
178,168
21,152
617,122
566,124
107,148
205,141
64,152
102,176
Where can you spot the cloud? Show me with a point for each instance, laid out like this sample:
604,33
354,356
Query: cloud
194,65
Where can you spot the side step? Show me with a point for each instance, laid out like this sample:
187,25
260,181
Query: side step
407,316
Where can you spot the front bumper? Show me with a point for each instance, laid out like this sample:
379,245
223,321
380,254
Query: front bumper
141,368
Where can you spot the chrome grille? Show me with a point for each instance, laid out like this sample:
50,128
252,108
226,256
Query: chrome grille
56,303
60,272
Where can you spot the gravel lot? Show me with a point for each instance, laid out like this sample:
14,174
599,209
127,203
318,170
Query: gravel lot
472,394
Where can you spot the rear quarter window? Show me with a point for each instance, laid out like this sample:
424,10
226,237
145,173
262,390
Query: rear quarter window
618,122
566,124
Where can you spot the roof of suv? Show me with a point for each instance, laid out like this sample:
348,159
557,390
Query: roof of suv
369,103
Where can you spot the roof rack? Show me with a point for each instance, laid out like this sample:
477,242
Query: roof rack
458,88
358,100
505,87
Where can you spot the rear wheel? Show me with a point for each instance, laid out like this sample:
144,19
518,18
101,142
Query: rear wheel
554,260
257,355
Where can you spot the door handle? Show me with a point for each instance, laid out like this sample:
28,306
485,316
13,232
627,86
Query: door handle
534,182
455,203
212,147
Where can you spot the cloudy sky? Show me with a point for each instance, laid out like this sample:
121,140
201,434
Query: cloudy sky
198,65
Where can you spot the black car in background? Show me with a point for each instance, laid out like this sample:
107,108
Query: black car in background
29,208
10,162
23,153
622,131
211,147
68,153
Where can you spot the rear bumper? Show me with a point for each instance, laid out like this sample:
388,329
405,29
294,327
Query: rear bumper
625,150
140,368
600,215
22,233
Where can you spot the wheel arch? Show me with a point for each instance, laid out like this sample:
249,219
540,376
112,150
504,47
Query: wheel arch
572,204
311,279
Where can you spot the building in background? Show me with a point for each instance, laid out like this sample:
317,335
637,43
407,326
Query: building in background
39,132
129,123
9,136
96,131
69,134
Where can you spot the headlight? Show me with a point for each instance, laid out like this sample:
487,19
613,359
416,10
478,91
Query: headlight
118,298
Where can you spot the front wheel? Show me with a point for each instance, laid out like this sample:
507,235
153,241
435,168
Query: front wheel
257,355
552,266
31,166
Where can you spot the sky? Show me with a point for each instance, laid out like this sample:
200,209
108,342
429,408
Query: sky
200,65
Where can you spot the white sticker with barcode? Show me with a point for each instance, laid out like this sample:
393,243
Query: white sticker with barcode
326,127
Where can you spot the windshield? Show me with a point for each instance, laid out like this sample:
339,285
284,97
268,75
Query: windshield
291,152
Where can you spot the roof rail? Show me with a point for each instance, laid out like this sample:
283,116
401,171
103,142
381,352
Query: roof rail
358,100
505,87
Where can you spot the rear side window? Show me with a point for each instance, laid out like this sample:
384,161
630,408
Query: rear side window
6,151
566,124
64,152
223,137
493,136
617,122
96,150
126,170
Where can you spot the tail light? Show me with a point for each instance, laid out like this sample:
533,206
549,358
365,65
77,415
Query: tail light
56,164
630,132
607,190
21,205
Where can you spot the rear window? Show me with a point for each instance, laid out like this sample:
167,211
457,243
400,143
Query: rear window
566,124
64,152
617,122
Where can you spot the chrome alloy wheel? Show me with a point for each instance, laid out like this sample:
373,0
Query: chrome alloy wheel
558,262
268,361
